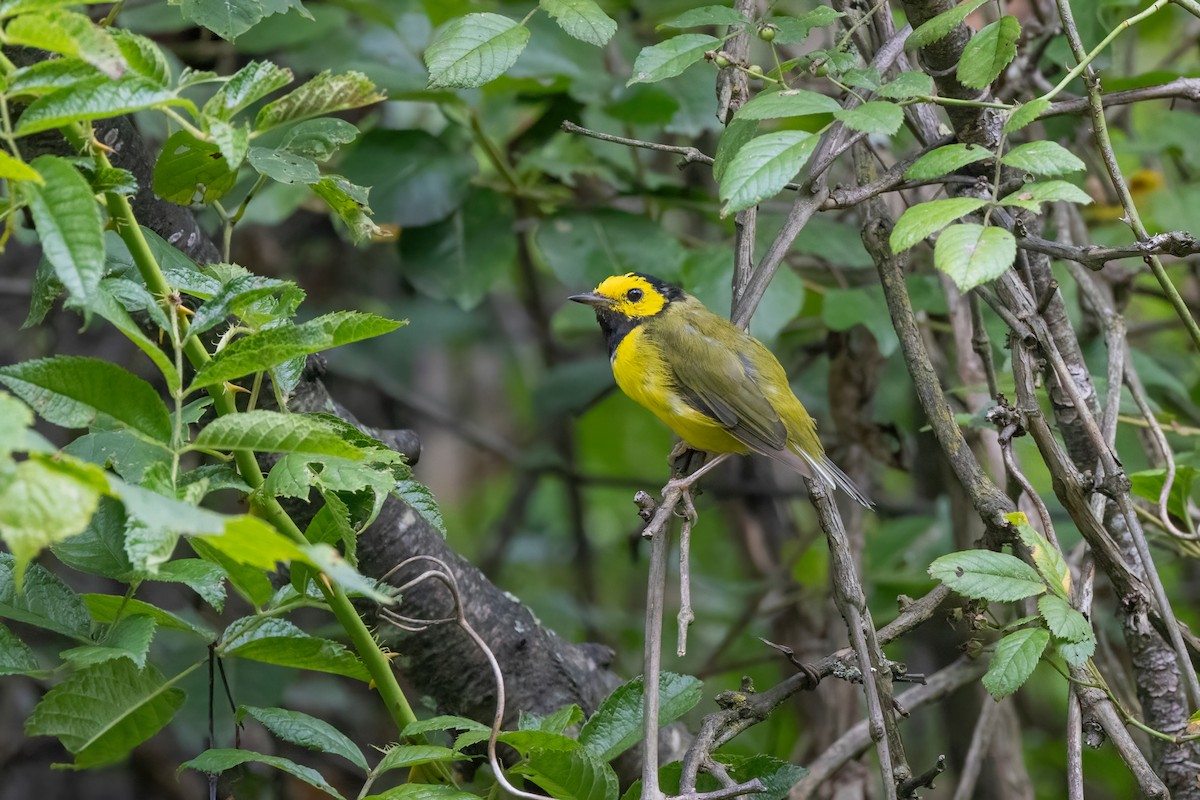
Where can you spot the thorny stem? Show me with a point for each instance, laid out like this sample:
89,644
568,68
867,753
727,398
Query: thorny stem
268,506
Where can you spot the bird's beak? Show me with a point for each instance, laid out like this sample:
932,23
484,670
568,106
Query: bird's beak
592,299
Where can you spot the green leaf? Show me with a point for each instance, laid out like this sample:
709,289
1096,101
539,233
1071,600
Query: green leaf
273,432
983,574
349,203
582,19
1064,621
128,638
877,116
989,52
777,776
617,724
906,85
1048,562
100,548
1014,660
218,760
105,303
245,87
306,731
733,138
45,500
570,774
763,167
270,348
95,98
233,141
68,224
705,15
1077,653
473,50
557,722
276,641
229,19
319,139
47,76
15,421
926,219
324,94
399,756
282,166
1148,484
102,712
670,58
944,160
443,722
793,30
70,34
1022,115
1043,158
17,170
76,391
44,601
973,255
16,657
842,309
203,577
108,608
419,498
1032,195
143,56
939,27
463,256
190,171
234,294
787,103
423,791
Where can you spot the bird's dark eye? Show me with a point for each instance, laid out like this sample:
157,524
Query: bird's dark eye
634,295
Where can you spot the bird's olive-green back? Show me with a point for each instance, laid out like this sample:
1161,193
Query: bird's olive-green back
731,376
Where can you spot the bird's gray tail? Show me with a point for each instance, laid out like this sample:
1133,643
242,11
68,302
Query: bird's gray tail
832,476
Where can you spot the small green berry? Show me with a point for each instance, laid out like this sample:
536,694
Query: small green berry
721,61
767,32
822,70
754,69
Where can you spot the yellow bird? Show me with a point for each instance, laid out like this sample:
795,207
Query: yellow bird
720,389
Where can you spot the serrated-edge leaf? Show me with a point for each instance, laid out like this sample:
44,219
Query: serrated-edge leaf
989,52
1032,194
474,49
308,731
907,84
16,657
616,724
973,254
418,496
277,641
1015,658
1047,560
443,722
986,575
705,15
96,98
399,756
68,223
926,219
275,432
670,58
1043,157
1064,622
45,600
582,19
268,349
571,775
218,760
787,103
946,159
763,166
1022,115
248,85
939,27
876,116
325,93
16,170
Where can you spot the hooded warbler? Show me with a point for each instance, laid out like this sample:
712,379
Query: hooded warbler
720,389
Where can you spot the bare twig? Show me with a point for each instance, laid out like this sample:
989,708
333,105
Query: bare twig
908,788
1181,88
691,155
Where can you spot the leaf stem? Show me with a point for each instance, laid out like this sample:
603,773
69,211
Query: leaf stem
268,507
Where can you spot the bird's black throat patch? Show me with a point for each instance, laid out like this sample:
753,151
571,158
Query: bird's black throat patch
616,327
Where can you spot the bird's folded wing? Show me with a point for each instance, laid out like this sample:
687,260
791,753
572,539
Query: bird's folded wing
718,381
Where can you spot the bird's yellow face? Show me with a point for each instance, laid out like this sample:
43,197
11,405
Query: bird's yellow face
630,295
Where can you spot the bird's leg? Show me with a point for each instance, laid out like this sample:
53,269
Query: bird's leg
685,484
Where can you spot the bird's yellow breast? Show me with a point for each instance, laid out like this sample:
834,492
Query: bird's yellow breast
642,373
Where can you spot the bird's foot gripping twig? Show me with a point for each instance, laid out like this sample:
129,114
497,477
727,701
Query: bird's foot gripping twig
684,484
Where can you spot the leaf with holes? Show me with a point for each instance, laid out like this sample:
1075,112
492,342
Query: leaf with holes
1032,195
326,93
983,574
